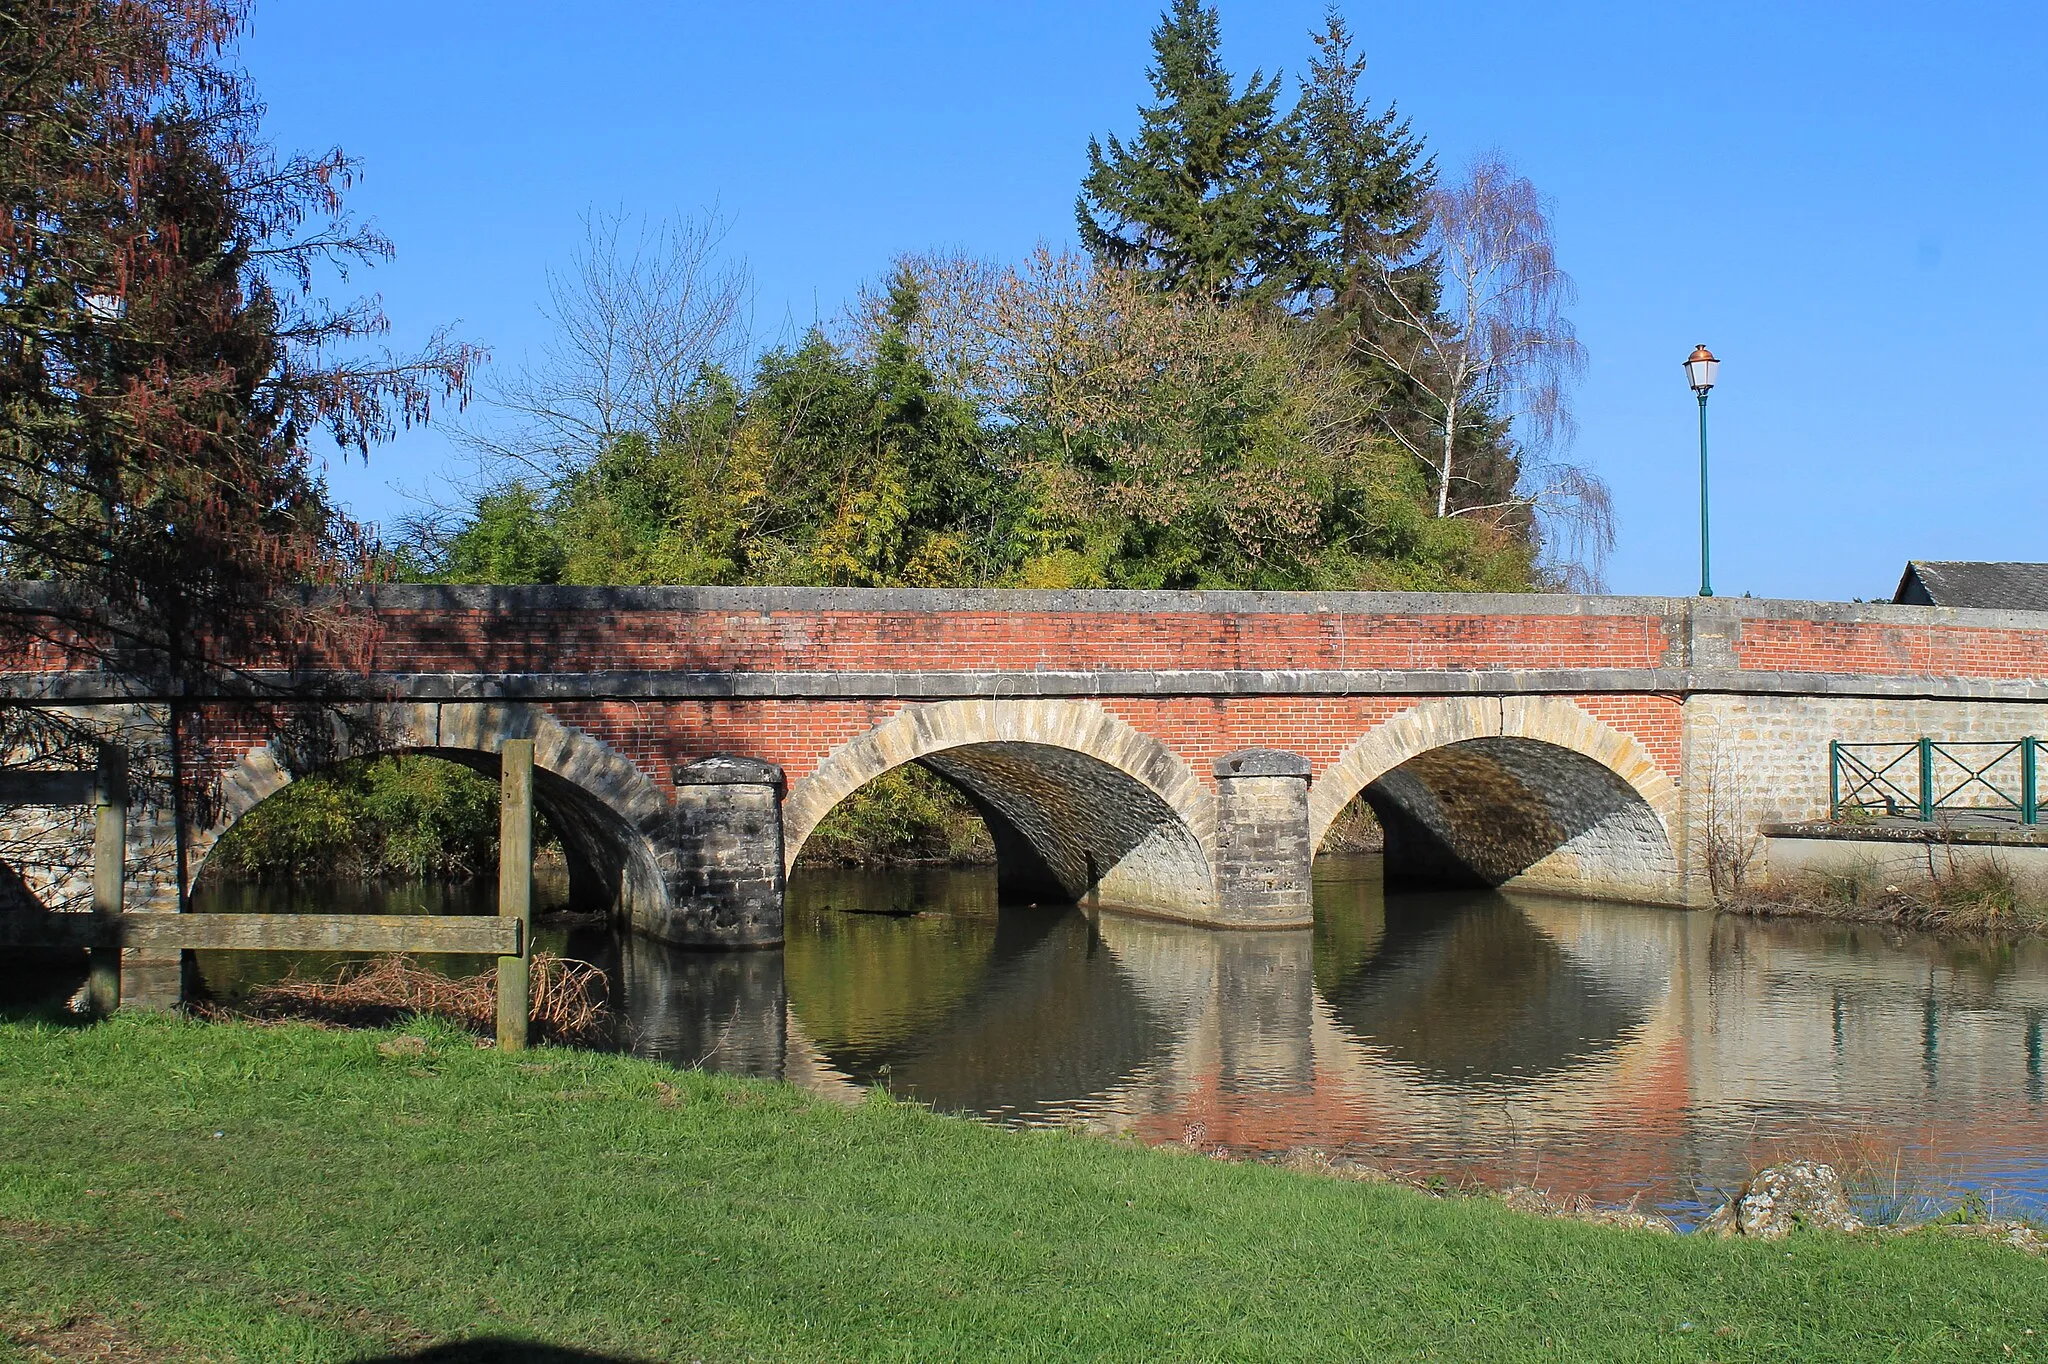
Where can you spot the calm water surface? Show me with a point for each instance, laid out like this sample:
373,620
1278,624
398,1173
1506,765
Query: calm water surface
1593,1048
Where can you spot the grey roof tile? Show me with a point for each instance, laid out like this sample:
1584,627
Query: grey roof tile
2012,587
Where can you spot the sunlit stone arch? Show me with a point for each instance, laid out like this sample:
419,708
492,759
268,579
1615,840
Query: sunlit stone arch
1616,809
1113,814
612,817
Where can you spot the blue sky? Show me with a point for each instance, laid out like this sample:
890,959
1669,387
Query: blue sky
1847,202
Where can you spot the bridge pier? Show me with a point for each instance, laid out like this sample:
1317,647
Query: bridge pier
1263,849
724,870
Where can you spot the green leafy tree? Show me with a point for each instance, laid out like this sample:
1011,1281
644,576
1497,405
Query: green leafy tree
828,468
1202,199
509,541
929,470
1179,442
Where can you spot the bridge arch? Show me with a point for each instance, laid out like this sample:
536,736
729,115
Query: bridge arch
611,816
1081,805
1527,789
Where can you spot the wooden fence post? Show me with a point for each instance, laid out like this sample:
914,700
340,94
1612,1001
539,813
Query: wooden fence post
109,872
515,886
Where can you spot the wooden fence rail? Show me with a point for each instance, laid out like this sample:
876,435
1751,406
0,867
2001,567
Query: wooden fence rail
421,934
107,930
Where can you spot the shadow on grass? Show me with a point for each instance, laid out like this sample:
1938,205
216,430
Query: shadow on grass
36,985
490,1350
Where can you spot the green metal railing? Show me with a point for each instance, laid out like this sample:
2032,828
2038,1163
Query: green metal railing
1920,778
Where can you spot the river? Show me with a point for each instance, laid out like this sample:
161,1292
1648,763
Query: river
1616,1051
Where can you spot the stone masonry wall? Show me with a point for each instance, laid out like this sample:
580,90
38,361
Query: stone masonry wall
1753,760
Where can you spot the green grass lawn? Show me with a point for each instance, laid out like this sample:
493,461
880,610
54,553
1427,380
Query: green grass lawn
226,1192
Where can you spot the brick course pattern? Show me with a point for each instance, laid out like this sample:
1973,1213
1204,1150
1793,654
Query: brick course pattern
869,641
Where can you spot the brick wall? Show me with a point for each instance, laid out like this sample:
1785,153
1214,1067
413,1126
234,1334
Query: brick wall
1887,650
797,734
1002,641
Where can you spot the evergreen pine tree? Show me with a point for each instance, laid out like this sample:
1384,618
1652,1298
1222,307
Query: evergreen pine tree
1203,198
1365,180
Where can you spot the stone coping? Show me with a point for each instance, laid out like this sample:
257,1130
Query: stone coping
62,687
2012,835
1262,762
771,600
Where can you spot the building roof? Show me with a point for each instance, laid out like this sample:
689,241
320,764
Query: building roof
2010,587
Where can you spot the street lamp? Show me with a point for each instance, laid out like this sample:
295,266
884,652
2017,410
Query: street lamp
1700,369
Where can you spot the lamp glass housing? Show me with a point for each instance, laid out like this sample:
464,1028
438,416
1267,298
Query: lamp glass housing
1701,370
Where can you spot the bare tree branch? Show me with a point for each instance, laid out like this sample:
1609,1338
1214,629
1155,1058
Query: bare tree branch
1496,348
642,312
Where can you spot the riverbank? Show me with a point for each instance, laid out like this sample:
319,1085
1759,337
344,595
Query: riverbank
1981,901
286,1193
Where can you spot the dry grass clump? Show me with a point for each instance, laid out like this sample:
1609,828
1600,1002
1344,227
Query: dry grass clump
569,997
1978,898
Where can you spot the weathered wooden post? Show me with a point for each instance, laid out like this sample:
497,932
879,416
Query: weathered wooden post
515,886
109,871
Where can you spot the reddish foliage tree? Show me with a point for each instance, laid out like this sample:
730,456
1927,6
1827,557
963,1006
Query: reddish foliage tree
165,359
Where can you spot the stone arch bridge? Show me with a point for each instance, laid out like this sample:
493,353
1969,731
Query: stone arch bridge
1171,753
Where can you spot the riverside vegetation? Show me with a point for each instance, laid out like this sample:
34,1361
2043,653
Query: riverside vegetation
1981,898
176,1190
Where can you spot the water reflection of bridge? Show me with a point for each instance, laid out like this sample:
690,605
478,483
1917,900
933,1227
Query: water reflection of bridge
1588,1046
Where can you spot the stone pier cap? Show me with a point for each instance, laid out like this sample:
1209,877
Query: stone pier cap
729,769
1262,762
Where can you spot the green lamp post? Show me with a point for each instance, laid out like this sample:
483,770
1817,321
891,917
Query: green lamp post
1700,369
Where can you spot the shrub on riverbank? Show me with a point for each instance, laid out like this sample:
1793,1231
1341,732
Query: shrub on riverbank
293,1194
1984,897
410,817
1355,830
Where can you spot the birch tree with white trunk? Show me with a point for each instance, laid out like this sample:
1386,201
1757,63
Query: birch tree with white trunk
1493,349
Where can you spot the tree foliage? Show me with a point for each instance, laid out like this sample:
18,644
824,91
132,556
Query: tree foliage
1334,212
1090,431
1201,200
1227,389
165,364
1495,351
1178,442
1365,178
